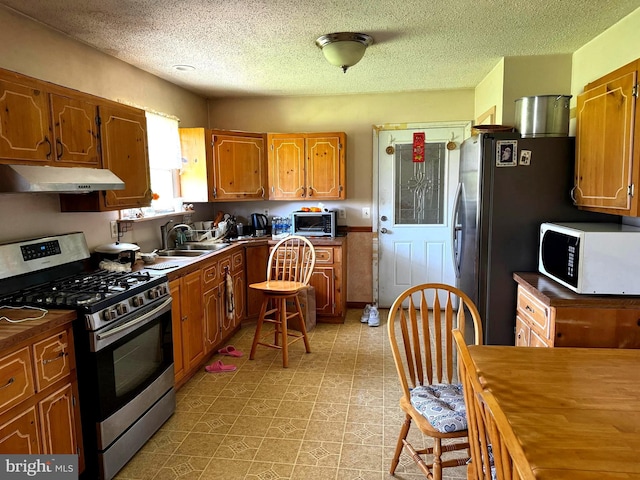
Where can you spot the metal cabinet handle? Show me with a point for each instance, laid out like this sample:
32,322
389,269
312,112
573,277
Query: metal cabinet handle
310,190
46,139
57,357
9,382
59,149
530,309
573,195
262,192
304,192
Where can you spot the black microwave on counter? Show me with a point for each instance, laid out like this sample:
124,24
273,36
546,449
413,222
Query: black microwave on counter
314,224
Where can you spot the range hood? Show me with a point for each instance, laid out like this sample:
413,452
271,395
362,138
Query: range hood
45,179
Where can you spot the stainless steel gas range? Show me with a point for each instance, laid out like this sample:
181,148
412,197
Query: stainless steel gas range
123,341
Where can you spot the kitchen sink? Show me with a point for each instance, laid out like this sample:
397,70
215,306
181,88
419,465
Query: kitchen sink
182,253
193,249
190,247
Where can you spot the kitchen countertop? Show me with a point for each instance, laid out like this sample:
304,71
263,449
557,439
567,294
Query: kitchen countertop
184,265
555,295
14,333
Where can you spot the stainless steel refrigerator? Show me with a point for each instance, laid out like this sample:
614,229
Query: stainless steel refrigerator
508,186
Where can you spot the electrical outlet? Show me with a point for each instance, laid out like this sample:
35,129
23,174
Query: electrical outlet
266,211
342,213
366,212
114,228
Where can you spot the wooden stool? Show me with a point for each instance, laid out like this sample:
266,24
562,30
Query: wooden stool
289,269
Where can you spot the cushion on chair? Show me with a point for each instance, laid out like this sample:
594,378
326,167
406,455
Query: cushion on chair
442,404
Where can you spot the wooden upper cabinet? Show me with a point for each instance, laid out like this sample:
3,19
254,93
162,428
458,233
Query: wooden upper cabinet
41,124
607,170
75,131
221,165
25,135
123,139
125,153
307,166
238,166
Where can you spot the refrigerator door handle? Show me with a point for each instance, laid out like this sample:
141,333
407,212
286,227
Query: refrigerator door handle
455,228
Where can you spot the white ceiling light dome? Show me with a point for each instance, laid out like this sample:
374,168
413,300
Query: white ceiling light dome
344,49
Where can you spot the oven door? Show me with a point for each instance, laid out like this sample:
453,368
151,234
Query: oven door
128,357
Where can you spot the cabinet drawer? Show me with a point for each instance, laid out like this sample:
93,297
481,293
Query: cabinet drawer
237,261
210,275
534,311
51,357
536,340
16,378
324,255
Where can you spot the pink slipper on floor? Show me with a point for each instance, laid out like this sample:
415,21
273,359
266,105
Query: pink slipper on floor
231,351
218,366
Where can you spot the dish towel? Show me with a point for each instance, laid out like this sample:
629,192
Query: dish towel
230,302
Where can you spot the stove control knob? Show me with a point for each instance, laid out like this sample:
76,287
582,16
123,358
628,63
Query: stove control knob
121,309
136,301
152,293
109,314
162,289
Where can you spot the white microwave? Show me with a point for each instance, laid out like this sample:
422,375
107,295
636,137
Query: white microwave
591,258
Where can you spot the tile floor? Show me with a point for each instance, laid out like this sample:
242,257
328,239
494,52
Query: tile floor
333,414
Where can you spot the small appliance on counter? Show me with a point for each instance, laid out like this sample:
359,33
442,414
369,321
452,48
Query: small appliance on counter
591,258
117,257
259,224
314,224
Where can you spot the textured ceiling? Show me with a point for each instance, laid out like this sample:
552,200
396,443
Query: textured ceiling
267,47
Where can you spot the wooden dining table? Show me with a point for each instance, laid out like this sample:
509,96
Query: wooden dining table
575,411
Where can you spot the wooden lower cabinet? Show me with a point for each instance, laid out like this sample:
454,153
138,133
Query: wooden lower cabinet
256,257
199,321
39,408
550,315
329,279
186,312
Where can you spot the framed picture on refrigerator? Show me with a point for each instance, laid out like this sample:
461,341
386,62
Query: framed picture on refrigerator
506,153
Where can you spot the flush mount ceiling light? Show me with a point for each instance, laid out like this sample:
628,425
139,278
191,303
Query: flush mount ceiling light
184,68
344,49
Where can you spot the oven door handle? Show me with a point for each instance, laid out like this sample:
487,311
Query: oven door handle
141,319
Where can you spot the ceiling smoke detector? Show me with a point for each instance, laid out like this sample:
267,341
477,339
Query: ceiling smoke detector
344,49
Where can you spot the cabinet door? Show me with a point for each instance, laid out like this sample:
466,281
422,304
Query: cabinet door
52,360
125,153
323,280
523,333
192,327
286,167
75,131
256,268
193,171
19,434
176,327
604,141
325,167
58,422
238,166
25,134
212,315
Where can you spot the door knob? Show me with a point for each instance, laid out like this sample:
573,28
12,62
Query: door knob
384,230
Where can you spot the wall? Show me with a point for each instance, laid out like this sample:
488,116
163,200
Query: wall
488,93
356,115
35,50
612,49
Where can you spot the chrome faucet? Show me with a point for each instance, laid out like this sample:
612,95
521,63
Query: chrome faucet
180,237
164,234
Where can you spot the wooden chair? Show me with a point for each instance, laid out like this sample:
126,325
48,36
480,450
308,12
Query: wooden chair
289,269
481,463
420,332
508,456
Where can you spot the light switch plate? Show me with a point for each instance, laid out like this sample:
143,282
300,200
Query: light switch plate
342,213
366,212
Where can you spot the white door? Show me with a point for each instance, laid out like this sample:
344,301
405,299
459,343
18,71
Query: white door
414,208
